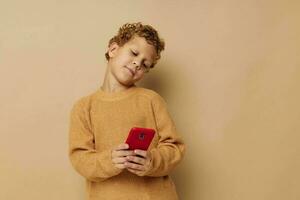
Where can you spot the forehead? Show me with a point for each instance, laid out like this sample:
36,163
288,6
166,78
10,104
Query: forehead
140,44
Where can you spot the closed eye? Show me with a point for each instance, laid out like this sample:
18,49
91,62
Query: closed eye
134,53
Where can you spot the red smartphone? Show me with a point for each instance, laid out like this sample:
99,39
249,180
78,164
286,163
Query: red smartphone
140,138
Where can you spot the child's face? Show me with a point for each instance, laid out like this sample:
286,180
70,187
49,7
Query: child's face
129,62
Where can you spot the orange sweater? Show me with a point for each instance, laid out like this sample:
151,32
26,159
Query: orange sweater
101,121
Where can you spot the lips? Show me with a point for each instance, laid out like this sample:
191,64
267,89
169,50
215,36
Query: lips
131,71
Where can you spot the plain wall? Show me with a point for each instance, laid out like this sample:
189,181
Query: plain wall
230,74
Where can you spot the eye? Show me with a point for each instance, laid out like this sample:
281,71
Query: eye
134,53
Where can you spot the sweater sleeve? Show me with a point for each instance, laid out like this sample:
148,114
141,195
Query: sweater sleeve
171,148
93,165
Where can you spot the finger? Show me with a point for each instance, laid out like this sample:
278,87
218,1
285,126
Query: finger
122,153
120,166
122,147
141,153
134,166
119,160
139,173
136,159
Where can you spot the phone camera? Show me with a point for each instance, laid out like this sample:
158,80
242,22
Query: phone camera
142,136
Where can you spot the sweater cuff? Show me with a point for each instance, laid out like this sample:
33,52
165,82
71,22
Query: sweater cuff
105,161
152,154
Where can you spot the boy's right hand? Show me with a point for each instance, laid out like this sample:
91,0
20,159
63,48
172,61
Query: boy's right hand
119,154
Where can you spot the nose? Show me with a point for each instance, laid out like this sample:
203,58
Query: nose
136,65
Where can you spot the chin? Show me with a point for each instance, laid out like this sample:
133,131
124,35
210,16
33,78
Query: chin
125,80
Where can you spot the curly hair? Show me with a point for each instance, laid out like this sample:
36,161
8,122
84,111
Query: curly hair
129,30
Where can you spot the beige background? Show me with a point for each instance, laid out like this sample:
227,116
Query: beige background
230,75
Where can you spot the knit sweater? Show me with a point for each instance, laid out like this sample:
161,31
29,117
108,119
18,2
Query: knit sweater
100,121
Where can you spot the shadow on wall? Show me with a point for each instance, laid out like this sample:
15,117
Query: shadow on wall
170,82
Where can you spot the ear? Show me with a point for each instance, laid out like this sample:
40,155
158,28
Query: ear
113,49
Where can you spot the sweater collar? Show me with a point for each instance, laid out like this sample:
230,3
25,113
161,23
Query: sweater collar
116,95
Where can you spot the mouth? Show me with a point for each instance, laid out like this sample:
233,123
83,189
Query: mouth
131,71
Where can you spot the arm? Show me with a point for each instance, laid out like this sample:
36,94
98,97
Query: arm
170,149
93,165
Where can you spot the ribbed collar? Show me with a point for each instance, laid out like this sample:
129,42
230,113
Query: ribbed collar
116,95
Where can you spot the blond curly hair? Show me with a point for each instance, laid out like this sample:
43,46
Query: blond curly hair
128,30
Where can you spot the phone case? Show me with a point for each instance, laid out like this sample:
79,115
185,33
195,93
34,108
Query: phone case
140,138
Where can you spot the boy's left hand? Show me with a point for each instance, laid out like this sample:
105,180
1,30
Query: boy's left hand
139,163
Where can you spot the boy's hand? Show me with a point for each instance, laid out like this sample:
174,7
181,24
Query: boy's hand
119,155
139,163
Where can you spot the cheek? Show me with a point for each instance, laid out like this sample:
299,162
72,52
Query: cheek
124,59
119,64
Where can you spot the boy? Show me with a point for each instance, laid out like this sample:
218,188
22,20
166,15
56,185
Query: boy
100,122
